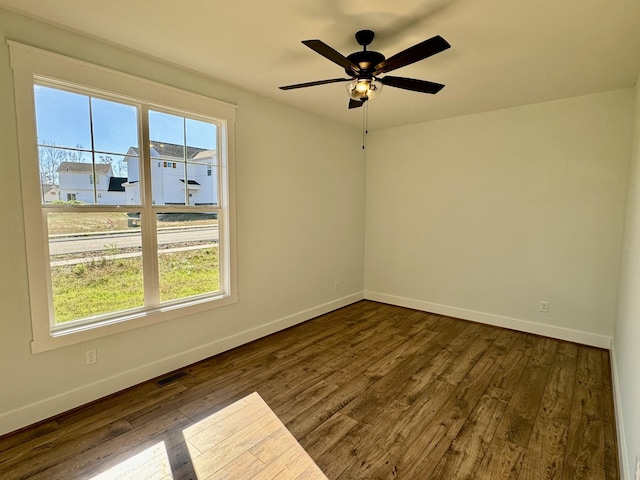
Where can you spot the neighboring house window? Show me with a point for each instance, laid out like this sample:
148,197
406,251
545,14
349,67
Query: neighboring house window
151,246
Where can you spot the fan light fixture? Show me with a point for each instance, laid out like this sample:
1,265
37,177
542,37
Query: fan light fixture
364,89
363,69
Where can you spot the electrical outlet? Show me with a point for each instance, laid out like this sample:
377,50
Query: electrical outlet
90,357
544,306
337,286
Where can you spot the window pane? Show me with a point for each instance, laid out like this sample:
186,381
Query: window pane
82,174
187,254
202,183
174,182
115,126
132,186
70,170
201,134
167,180
166,130
114,183
62,118
202,168
96,264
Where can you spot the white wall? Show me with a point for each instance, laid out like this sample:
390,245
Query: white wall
484,216
300,228
626,347
479,216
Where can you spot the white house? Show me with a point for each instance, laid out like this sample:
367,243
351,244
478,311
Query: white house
77,183
50,193
177,177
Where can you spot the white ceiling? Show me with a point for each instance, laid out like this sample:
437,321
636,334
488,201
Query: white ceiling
504,52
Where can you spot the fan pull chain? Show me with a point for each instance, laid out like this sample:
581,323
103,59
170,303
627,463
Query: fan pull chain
365,120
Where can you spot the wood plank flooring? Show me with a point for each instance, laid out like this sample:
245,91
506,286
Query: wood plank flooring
370,391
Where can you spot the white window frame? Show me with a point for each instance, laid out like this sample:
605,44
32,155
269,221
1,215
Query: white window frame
29,63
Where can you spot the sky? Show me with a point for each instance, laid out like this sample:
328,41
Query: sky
64,119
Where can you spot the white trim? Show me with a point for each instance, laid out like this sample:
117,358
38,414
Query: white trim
30,58
92,331
623,458
552,331
38,411
29,63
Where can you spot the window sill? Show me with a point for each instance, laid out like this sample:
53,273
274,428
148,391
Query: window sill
90,332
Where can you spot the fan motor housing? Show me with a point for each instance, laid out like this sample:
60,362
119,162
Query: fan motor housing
366,60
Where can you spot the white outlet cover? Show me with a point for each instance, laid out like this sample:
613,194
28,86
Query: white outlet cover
91,356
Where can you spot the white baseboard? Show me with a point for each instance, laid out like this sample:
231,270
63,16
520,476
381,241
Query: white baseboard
623,458
560,333
38,411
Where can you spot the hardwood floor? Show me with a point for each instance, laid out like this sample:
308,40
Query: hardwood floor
370,391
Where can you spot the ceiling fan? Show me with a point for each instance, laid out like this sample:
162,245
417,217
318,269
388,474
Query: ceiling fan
364,67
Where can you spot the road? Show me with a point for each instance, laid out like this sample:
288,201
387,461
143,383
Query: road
102,242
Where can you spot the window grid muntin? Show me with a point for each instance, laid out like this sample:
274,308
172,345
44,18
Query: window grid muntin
147,210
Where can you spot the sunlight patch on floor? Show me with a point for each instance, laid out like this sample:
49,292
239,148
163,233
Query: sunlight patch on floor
244,441
150,464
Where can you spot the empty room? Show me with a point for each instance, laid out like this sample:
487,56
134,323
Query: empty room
302,239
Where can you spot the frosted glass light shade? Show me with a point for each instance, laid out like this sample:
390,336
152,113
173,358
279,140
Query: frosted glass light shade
364,89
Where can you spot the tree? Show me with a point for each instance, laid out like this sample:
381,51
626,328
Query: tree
119,167
51,156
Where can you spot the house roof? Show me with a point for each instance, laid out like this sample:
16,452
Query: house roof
172,150
79,167
205,154
115,184
47,187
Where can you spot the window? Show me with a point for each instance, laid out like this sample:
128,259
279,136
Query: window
143,244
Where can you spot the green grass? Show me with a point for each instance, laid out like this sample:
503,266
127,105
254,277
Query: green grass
110,285
81,223
188,273
71,223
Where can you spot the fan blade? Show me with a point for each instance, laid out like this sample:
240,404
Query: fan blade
336,57
412,54
313,84
355,103
422,86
